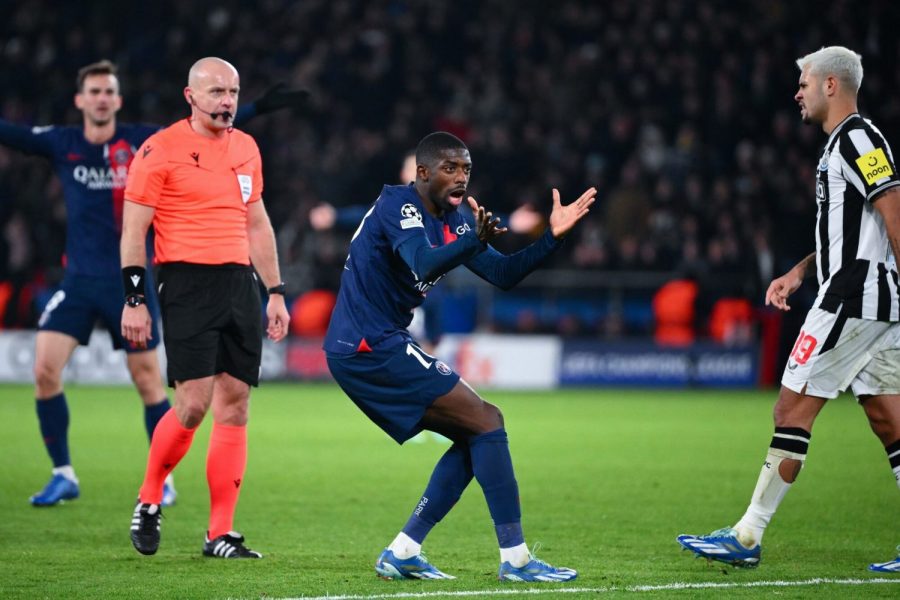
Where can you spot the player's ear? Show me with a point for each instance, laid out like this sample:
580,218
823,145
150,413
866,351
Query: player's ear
422,172
79,101
188,96
830,85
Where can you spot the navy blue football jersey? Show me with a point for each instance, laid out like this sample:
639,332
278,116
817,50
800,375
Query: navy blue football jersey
93,180
378,290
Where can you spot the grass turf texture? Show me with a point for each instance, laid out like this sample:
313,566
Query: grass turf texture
607,480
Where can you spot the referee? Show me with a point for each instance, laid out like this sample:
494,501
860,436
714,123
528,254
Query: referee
199,183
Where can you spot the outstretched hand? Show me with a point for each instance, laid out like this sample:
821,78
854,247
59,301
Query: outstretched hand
487,226
563,218
279,96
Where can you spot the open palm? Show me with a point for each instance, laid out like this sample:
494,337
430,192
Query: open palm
563,218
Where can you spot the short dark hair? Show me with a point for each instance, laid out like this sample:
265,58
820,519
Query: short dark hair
435,144
101,67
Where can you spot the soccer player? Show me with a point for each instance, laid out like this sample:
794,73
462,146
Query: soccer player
92,164
409,239
850,336
199,182
425,323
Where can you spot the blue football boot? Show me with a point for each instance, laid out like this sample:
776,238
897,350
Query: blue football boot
59,488
722,545
891,566
535,570
389,566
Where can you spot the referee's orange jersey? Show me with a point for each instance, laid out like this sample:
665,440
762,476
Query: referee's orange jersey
200,188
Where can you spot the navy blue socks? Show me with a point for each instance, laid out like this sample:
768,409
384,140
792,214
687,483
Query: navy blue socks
53,417
449,479
493,469
152,415
486,457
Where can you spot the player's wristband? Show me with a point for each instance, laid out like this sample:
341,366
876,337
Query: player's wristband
277,289
133,280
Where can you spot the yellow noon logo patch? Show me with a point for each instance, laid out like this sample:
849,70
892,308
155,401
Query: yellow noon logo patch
874,165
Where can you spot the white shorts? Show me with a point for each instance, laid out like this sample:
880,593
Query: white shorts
833,353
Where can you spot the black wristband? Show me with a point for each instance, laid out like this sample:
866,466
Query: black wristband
133,280
277,289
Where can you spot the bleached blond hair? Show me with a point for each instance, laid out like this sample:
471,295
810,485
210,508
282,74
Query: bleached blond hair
843,63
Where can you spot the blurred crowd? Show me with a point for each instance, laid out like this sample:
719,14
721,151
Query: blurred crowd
680,113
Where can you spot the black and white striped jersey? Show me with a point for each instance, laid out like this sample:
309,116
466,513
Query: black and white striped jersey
856,268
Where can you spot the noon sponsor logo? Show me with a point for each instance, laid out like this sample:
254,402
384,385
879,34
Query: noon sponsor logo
874,165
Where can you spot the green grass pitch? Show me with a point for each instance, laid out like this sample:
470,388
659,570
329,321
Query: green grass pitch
607,480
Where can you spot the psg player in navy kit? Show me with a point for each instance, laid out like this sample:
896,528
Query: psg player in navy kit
410,238
92,162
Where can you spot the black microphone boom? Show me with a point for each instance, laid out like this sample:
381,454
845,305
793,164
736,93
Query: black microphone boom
225,115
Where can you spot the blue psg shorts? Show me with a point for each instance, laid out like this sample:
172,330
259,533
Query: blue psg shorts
83,301
393,386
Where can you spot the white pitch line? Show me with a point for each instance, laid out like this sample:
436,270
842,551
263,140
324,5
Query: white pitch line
602,590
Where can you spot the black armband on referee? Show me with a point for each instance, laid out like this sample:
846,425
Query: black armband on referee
133,280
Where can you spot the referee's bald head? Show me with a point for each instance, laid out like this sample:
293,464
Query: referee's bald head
205,67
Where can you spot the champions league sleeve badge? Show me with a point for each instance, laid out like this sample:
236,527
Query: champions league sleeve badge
411,217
